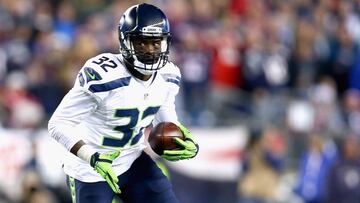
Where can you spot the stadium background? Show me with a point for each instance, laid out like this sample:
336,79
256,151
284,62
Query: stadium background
269,87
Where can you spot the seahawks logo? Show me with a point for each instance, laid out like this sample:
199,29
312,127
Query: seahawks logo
91,74
154,28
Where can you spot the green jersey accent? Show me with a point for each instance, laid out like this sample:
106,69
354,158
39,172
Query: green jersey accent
91,74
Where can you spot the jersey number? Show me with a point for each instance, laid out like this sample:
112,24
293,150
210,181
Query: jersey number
104,62
128,130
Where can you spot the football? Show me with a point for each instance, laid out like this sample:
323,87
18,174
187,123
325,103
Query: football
161,137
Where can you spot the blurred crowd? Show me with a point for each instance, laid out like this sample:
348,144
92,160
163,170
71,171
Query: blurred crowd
290,68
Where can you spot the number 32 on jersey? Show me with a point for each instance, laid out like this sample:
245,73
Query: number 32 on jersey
128,130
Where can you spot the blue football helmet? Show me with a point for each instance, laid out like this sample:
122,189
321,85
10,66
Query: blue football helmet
144,22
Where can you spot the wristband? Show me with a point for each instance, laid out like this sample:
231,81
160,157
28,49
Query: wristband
85,152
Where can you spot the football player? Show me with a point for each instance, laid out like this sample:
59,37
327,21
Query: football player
115,97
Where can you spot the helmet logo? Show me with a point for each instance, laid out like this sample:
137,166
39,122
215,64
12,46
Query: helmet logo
153,28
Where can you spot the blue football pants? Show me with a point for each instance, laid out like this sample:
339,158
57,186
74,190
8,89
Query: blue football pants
143,182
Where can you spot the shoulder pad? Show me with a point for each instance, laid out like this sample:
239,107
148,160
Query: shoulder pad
104,66
171,73
103,73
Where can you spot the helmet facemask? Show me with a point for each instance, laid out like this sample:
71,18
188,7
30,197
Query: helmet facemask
145,62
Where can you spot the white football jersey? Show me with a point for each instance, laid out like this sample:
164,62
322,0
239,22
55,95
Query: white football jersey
109,109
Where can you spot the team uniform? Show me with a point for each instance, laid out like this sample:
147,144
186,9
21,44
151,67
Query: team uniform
102,119
109,109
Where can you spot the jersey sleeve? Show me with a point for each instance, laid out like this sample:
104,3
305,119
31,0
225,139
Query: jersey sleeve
75,107
167,112
92,85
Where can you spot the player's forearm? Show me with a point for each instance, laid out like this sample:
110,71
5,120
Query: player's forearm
83,151
71,141
64,134
74,150
73,109
166,114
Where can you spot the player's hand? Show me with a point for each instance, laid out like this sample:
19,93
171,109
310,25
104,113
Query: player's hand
189,147
102,164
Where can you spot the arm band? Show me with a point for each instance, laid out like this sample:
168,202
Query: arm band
85,152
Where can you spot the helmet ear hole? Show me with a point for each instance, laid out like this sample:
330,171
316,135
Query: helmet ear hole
126,47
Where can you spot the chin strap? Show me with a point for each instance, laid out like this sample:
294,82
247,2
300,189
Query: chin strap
144,69
130,67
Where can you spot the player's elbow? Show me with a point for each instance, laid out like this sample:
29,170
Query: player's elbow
55,129
51,126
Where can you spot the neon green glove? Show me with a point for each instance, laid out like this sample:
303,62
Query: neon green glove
189,147
102,164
